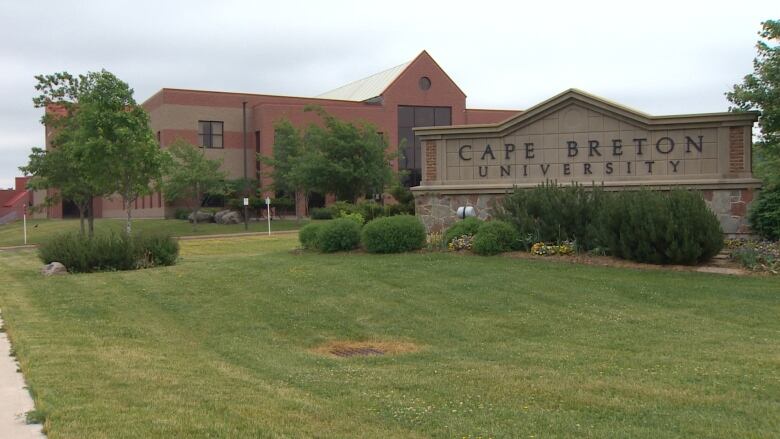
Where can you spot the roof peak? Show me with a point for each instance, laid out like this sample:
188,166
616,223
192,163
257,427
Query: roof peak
368,87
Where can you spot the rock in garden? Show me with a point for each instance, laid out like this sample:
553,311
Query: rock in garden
231,217
203,217
218,216
53,269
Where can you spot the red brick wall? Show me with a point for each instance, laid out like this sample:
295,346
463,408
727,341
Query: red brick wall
736,149
430,161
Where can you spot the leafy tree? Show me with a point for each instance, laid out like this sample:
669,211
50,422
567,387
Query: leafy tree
760,90
65,166
102,143
58,168
290,163
346,159
190,175
114,131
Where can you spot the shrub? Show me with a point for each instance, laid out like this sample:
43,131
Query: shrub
675,227
321,213
309,235
356,217
338,235
109,252
764,215
341,208
153,250
495,237
181,214
468,226
394,234
405,198
371,210
552,213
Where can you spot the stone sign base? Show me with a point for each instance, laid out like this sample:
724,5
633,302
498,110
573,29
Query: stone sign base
436,208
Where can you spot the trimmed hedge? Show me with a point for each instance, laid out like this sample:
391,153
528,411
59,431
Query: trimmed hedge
338,235
394,234
308,235
109,252
468,226
494,237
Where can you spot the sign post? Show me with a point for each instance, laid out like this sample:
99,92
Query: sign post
24,221
268,206
246,213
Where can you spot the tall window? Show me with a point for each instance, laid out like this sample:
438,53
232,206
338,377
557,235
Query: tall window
409,144
210,133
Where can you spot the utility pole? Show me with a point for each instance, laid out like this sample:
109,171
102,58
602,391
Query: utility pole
246,182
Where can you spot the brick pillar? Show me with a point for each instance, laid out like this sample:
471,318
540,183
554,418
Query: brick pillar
736,149
430,160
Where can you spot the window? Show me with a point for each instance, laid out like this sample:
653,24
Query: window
425,83
210,134
410,147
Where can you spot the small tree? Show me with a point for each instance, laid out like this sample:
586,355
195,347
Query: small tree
346,159
189,175
115,132
289,162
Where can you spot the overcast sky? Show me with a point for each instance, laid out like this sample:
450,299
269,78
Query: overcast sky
661,57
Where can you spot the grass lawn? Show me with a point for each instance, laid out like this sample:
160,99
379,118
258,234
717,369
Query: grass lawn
220,346
12,234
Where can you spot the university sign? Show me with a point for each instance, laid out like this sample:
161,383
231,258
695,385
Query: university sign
577,137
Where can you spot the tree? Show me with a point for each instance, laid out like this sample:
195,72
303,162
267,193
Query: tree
346,159
289,163
114,131
64,166
760,90
341,158
190,175
58,169
102,142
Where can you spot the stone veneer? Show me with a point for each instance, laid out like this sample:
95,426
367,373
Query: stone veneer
438,211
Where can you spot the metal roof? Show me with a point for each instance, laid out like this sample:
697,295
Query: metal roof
366,88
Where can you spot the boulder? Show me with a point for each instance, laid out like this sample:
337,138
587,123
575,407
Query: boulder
55,268
203,217
230,217
218,216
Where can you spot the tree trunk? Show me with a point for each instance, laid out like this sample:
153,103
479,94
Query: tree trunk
298,214
128,224
81,220
91,218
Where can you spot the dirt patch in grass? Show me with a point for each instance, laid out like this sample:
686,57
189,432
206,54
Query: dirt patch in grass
346,349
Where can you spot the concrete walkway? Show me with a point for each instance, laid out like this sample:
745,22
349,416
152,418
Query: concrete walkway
15,400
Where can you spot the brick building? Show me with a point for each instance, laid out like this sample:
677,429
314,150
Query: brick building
414,94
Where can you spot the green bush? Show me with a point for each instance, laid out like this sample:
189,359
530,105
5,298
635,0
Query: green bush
673,227
155,250
764,215
356,217
553,213
341,208
321,213
495,237
394,234
181,214
371,210
468,226
405,198
109,252
338,235
309,235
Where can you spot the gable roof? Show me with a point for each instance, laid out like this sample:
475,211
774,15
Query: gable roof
573,95
366,88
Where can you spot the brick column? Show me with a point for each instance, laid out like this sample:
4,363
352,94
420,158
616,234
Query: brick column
736,149
430,160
